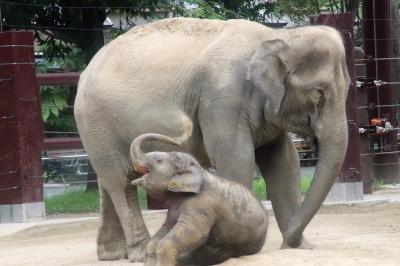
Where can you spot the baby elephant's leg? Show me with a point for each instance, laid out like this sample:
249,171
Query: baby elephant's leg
190,232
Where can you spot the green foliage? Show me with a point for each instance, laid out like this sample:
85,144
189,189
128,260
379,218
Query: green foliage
377,184
69,58
225,9
56,113
297,10
60,23
341,5
82,202
209,10
54,20
257,10
54,100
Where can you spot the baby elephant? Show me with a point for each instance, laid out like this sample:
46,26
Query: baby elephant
209,220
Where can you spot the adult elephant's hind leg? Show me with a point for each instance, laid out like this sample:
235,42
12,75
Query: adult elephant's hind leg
279,164
125,200
120,211
111,244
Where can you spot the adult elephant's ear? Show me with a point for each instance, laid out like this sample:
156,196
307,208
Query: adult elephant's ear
268,69
189,180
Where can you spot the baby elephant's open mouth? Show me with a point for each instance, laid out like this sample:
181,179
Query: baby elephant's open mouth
142,169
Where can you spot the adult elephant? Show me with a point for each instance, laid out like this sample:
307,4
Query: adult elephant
243,86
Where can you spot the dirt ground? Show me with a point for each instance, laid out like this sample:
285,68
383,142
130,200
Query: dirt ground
343,235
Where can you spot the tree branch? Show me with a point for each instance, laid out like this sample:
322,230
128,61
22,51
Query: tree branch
59,35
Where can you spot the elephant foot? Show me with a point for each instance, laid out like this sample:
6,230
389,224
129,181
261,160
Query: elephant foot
305,244
302,244
150,262
111,251
137,254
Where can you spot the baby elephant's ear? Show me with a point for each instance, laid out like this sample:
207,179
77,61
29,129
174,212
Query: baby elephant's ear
186,181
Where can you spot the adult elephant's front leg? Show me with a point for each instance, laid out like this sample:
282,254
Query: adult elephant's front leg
280,165
228,141
231,155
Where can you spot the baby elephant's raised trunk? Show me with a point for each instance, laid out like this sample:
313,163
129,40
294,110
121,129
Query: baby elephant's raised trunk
137,155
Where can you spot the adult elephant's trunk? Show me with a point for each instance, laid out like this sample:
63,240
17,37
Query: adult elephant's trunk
138,156
332,142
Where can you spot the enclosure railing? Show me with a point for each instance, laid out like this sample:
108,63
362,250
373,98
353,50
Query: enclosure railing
67,78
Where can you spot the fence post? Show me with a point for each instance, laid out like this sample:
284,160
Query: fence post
363,119
348,185
21,183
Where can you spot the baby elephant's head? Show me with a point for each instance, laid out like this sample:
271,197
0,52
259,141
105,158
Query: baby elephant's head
165,171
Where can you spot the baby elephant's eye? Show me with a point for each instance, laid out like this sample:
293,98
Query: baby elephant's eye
157,159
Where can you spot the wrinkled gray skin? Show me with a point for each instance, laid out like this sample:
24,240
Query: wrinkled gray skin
209,219
244,87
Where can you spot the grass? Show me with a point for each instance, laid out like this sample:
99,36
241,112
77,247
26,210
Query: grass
305,184
73,202
88,201
81,202
259,188
377,184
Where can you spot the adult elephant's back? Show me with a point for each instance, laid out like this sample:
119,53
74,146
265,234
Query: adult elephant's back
147,61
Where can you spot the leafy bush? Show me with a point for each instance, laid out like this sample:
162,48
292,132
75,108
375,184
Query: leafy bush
54,100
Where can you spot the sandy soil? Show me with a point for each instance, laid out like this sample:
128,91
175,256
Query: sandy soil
343,235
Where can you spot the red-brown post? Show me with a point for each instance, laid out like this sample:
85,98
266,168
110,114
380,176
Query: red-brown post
21,183
348,185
